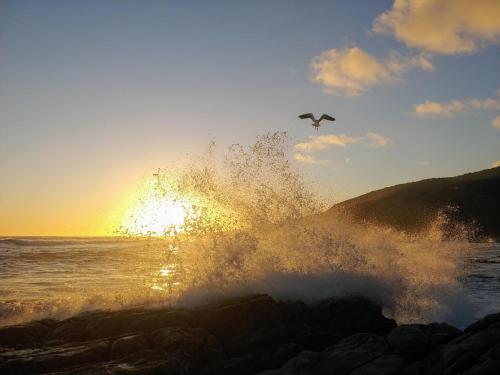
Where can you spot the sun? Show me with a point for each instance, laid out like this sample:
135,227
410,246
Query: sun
158,216
154,210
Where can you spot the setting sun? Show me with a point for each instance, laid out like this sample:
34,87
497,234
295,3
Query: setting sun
157,216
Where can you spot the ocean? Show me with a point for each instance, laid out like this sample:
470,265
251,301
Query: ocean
59,277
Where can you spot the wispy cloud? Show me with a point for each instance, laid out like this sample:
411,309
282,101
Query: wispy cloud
444,26
495,123
324,141
308,158
454,107
351,71
377,140
428,108
304,150
423,163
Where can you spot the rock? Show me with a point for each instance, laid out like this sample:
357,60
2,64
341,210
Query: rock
347,355
477,345
229,318
409,341
317,340
385,365
483,323
25,335
212,350
350,315
54,358
440,333
278,357
171,339
487,367
248,335
127,345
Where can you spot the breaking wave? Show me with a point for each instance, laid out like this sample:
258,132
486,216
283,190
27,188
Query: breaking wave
256,225
261,230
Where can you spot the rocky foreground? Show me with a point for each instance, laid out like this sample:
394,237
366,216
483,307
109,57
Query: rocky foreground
249,335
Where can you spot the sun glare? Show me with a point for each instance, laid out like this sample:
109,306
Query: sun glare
152,211
158,216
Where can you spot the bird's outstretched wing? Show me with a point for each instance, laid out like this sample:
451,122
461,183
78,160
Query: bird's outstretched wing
326,117
307,115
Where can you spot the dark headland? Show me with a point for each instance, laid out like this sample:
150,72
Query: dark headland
472,199
250,335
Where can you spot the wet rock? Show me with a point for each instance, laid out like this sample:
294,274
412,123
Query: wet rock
229,318
385,365
25,335
317,340
346,356
483,323
172,339
351,315
249,335
414,341
487,367
50,359
127,345
471,350
409,341
278,357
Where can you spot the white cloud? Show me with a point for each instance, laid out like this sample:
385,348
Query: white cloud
496,122
304,150
495,164
423,163
428,109
454,107
324,141
377,140
442,26
307,158
351,70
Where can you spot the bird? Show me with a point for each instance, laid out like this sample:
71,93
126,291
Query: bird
316,123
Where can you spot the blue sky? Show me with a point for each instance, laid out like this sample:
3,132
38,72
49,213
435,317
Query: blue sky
96,94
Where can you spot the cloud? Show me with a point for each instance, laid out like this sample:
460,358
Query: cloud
304,150
496,122
377,140
307,158
495,164
428,109
351,70
454,107
423,163
324,141
444,26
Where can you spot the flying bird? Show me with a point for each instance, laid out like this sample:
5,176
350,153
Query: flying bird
316,123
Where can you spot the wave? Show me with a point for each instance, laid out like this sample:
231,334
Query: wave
258,228
35,242
262,231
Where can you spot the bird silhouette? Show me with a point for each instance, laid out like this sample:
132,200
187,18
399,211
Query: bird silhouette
316,123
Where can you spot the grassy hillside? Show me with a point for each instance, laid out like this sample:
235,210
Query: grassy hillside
412,206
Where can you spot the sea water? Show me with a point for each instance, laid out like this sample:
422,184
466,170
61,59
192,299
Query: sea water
58,277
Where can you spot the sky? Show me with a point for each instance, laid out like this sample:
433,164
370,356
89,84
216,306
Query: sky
95,95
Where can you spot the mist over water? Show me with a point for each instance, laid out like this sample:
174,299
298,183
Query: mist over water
254,225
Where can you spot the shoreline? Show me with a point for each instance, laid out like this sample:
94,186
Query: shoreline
249,335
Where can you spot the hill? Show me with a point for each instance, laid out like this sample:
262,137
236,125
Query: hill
413,206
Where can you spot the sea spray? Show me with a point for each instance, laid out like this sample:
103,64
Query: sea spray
259,229
252,224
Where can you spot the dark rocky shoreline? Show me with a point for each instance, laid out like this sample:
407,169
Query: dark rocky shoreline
250,335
